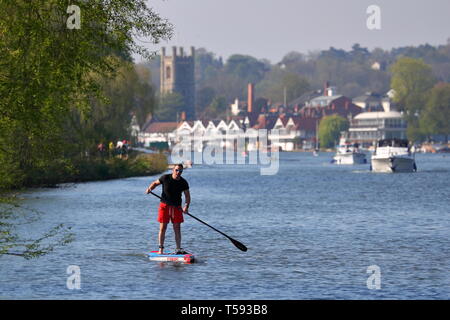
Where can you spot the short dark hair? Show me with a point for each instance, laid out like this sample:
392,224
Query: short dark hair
179,165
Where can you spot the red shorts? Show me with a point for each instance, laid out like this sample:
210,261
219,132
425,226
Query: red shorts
168,213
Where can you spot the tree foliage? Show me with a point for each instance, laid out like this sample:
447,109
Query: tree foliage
170,107
50,75
217,109
279,84
246,68
330,128
204,98
128,94
411,80
435,117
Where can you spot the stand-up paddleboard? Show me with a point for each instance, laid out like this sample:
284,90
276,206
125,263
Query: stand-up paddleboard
186,258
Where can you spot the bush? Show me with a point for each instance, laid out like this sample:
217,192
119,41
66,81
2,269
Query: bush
149,164
92,169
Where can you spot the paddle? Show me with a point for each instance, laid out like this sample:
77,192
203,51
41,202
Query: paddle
238,245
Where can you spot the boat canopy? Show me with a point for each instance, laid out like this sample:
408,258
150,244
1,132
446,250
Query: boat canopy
399,143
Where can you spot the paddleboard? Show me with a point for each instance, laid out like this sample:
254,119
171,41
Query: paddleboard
186,258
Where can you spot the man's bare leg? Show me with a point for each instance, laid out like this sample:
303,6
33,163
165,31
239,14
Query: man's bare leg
177,231
162,236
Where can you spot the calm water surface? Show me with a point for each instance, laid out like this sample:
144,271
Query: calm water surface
312,231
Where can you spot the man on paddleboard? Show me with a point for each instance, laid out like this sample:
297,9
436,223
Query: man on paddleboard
170,206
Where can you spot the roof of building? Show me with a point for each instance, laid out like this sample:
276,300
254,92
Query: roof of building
300,101
379,115
368,97
323,100
161,127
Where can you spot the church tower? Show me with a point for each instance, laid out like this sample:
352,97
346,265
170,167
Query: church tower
177,74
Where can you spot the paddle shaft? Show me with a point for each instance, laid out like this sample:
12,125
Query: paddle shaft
235,242
207,225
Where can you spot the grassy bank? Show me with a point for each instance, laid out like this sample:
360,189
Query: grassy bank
137,164
93,168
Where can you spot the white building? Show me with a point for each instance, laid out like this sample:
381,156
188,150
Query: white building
219,133
368,127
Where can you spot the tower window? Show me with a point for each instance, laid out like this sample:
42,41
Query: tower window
168,72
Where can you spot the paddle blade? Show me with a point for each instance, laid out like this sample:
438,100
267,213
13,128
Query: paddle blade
238,245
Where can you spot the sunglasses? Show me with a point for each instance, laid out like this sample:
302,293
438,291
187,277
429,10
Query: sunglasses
179,170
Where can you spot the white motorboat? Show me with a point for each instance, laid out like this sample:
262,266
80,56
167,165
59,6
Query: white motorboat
349,153
393,155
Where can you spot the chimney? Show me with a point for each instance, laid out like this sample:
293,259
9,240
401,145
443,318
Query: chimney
174,51
250,98
181,52
183,116
163,52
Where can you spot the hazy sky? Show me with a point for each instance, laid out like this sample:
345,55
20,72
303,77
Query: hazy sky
272,28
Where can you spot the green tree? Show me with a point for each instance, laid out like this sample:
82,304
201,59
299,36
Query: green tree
217,109
145,100
279,82
247,68
435,119
294,85
330,128
126,95
204,97
51,81
412,80
229,85
359,54
207,66
170,107
49,74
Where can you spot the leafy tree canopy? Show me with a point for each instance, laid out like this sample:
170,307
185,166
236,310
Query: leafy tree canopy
330,128
436,116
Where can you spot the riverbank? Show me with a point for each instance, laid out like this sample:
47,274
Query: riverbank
135,165
97,168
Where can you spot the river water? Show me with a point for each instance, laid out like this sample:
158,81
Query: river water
314,230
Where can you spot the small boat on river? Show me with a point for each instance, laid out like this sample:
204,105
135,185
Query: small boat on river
393,155
349,153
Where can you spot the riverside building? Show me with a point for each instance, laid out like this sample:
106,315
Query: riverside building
368,127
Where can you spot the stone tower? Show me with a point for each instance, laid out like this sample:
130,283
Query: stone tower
177,75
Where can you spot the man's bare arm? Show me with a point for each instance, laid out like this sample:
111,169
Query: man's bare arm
152,186
187,196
